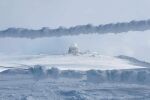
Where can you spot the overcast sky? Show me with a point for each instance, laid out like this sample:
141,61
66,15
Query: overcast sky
54,13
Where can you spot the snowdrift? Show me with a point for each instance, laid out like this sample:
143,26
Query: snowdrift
93,76
129,76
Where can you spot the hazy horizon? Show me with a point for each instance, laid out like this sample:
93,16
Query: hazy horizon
54,13
34,14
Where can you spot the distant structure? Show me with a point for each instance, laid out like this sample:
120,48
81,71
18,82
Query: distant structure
73,49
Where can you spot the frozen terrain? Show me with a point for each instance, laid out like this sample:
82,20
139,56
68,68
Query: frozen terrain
35,36
68,77
66,61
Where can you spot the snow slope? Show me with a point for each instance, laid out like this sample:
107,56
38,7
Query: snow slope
67,77
37,83
63,62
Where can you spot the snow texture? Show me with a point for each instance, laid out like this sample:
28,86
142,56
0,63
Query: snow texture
38,83
64,62
44,82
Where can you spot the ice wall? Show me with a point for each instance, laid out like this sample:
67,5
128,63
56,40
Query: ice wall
138,76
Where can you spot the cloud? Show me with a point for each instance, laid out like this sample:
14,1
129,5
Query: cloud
77,30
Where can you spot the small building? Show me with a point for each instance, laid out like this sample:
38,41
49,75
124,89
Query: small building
73,49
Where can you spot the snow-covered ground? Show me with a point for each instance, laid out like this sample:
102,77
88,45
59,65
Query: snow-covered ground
53,84
68,77
66,61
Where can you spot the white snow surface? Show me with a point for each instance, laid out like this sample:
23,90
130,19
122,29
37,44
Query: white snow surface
38,83
66,61
68,77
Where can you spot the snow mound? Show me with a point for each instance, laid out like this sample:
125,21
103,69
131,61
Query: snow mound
53,72
134,61
82,62
15,71
127,76
94,76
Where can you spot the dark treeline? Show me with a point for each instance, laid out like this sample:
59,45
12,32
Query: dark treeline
76,30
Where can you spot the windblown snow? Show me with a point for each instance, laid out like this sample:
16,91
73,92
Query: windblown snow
68,62
68,77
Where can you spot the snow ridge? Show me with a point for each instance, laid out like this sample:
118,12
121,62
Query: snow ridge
94,76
